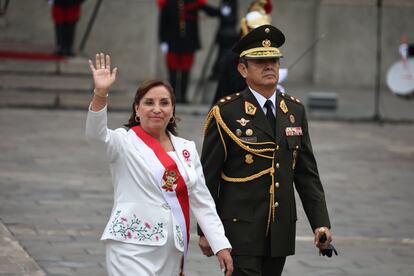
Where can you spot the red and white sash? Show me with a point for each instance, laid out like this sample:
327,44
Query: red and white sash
170,181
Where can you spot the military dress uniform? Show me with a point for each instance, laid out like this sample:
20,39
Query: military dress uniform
179,29
252,169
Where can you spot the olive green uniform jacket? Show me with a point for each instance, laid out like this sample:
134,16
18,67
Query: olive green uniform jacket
251,172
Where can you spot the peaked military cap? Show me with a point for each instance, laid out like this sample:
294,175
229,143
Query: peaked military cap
262,42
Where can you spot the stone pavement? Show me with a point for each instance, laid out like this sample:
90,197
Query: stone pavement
55,196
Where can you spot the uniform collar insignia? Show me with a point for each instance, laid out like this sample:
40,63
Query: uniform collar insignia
249,108
283,106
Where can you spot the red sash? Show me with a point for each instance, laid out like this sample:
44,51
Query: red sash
173,181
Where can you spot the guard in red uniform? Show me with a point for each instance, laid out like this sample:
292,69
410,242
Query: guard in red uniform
179,39
65,14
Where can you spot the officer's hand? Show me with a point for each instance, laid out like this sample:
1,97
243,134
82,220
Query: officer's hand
319,232
205,246
226,261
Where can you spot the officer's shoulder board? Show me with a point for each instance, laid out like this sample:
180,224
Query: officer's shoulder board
228,99
290,98
215,110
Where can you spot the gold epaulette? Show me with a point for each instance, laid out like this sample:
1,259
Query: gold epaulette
291,98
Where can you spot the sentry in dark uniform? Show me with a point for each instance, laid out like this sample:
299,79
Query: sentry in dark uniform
256,150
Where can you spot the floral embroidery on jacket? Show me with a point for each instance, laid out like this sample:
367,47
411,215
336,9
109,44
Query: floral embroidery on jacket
135,228
179,236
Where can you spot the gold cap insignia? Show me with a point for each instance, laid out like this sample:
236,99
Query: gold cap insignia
266,43
283,106
243,121
267,30
250,108
292,118
249,132
249,159
238,132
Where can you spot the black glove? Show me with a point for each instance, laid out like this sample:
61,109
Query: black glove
329,250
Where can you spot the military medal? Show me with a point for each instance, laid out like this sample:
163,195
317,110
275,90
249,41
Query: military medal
243,121
238,132
283,106
292,118
249,159
170,180
293,131
249,108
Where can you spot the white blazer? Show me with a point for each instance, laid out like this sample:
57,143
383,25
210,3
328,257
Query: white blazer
140,214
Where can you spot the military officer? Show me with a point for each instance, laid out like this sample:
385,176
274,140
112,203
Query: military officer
256,150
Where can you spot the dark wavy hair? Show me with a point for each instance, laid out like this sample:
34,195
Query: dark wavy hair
141,91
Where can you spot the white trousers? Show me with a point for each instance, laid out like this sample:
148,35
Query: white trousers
126,259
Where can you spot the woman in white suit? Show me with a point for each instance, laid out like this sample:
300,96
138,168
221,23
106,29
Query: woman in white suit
157,179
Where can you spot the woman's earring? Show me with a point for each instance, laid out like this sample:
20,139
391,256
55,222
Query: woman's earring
172,120
137,119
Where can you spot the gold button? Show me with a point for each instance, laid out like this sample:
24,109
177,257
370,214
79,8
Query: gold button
277,184
237,94
296,147
277,147
276,204
277,165
234,220
222,100
228,98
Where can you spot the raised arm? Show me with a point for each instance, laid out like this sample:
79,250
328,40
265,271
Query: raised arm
103,79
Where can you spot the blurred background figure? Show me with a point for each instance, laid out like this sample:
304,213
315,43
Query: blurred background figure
227,34
400,76
230,81
65,15
179,39
406,50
